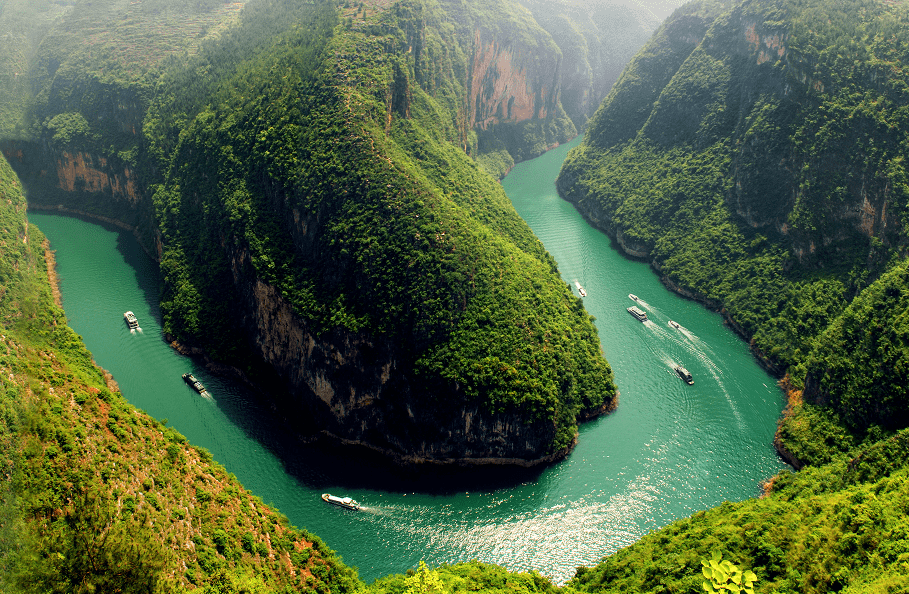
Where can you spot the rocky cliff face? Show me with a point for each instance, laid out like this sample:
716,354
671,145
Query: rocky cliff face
511,84
596,39
355,388
84,183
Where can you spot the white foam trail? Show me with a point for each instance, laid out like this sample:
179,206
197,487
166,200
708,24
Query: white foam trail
701,351
132,330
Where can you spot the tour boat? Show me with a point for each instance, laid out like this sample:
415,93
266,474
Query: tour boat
131,320
581,290
684,374
195,384
345,502
638,313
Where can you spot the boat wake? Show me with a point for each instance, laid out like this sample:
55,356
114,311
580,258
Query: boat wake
699,350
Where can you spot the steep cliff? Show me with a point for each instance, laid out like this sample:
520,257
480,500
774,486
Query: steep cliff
597,40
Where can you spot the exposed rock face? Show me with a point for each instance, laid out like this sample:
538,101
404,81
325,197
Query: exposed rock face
348,387
95,175
597,40
509,84
84,183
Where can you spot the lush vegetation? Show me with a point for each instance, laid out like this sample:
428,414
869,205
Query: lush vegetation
323,158
762,169
840,527
760,164
96,495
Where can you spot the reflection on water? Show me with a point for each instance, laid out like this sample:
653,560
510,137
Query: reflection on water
669,450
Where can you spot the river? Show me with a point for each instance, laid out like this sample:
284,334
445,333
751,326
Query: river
669,450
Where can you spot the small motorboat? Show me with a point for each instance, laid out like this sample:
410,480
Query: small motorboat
674,324
684,374
632,296
131,320
345,502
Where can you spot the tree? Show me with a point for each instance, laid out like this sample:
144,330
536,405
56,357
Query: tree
723,576
93,548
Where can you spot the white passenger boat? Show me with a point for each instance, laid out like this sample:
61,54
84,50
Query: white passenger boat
638,313
345,502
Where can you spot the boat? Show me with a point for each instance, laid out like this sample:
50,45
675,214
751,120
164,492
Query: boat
684,374
131,320
345,502
581,290
638,313
195,384
632,296
674,324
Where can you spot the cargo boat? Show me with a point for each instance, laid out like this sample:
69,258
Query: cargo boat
195,384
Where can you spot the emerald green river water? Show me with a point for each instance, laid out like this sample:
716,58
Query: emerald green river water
669,450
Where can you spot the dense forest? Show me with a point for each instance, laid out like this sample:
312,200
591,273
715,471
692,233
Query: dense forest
753,152
332,165
312,162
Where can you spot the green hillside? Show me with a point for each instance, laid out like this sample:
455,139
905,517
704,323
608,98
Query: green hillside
760,166
98,496
754,153
332,163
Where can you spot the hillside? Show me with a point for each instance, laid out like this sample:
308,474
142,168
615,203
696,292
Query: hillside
345,215
764,176
753,153
313,164
96,494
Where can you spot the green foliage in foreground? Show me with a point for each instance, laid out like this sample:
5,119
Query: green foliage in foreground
463,578
839,527
98,496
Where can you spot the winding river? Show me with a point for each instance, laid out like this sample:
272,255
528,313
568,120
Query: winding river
670,449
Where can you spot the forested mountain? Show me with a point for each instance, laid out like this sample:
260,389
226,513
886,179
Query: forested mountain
754,153
313,164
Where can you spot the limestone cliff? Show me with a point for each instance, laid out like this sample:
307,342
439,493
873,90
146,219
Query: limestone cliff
354,388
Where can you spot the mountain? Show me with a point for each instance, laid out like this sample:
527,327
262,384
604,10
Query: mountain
304,176
753,153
